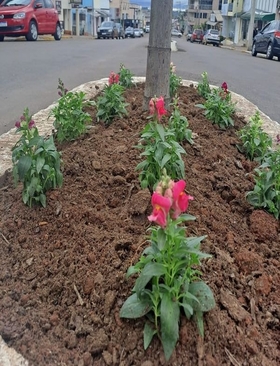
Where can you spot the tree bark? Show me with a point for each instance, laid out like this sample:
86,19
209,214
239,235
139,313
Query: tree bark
159,52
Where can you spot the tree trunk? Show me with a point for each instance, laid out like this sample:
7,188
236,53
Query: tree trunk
159,52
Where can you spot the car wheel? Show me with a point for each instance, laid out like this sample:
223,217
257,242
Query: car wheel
254,51
32,34
269,52
57,34
1,38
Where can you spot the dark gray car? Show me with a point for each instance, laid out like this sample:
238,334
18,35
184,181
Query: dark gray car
267,41
107,30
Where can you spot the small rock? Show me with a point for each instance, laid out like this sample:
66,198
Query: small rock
109,301
88,285
96,165
108,358
54,319
87,359
236,311
98,342
70,340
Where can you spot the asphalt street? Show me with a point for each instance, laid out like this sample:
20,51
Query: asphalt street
30,71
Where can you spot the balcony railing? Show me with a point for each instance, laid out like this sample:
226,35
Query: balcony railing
201,7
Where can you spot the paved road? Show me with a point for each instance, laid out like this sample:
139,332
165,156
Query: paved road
29,71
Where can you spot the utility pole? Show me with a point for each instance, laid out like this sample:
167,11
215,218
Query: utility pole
251,25
159,52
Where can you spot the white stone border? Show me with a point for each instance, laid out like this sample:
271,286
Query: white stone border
45,124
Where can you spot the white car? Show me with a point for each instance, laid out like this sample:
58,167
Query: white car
176,33
137,32
212,36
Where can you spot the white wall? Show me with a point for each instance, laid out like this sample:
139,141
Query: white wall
265,5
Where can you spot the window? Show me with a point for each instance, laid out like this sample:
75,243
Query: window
48,4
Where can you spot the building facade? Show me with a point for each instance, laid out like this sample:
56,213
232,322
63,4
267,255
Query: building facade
237,14
204,14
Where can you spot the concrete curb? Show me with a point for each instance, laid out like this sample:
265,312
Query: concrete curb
8,356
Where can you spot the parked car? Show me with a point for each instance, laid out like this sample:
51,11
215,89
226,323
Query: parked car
267,41
212,36
120,30
142,32
107,29
29,18
147,29
129,32
137,32
197,36
176,33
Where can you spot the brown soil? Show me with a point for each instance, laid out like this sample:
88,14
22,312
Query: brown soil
94,228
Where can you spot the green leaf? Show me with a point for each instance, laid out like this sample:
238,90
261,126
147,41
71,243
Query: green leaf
24,165
204,295
131,270
134,307
151,269
199,322
160,130
43,200
40,163
169,320
149,332
161,238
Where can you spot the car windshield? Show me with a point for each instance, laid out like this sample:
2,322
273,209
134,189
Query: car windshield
214,31
107,24
16,2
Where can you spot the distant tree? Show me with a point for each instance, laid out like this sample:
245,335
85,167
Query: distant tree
159,52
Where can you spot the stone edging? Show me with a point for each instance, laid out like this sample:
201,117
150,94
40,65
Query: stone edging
45,124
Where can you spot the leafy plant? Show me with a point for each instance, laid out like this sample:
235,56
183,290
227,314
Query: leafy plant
266,193
169,278
111,104
255,142
203,87
70,119
161,151
36,162
126,77
179,124
219,108
174,81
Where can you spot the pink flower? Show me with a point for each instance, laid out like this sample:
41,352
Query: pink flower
160,107
17,124
180,199
161,206
152,106
114,78
22,118
278,139
156,106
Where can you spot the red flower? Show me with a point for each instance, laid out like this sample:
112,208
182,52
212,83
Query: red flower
113,78
156,106
160,107
224,86
161,206
17,124
180,199
31,124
